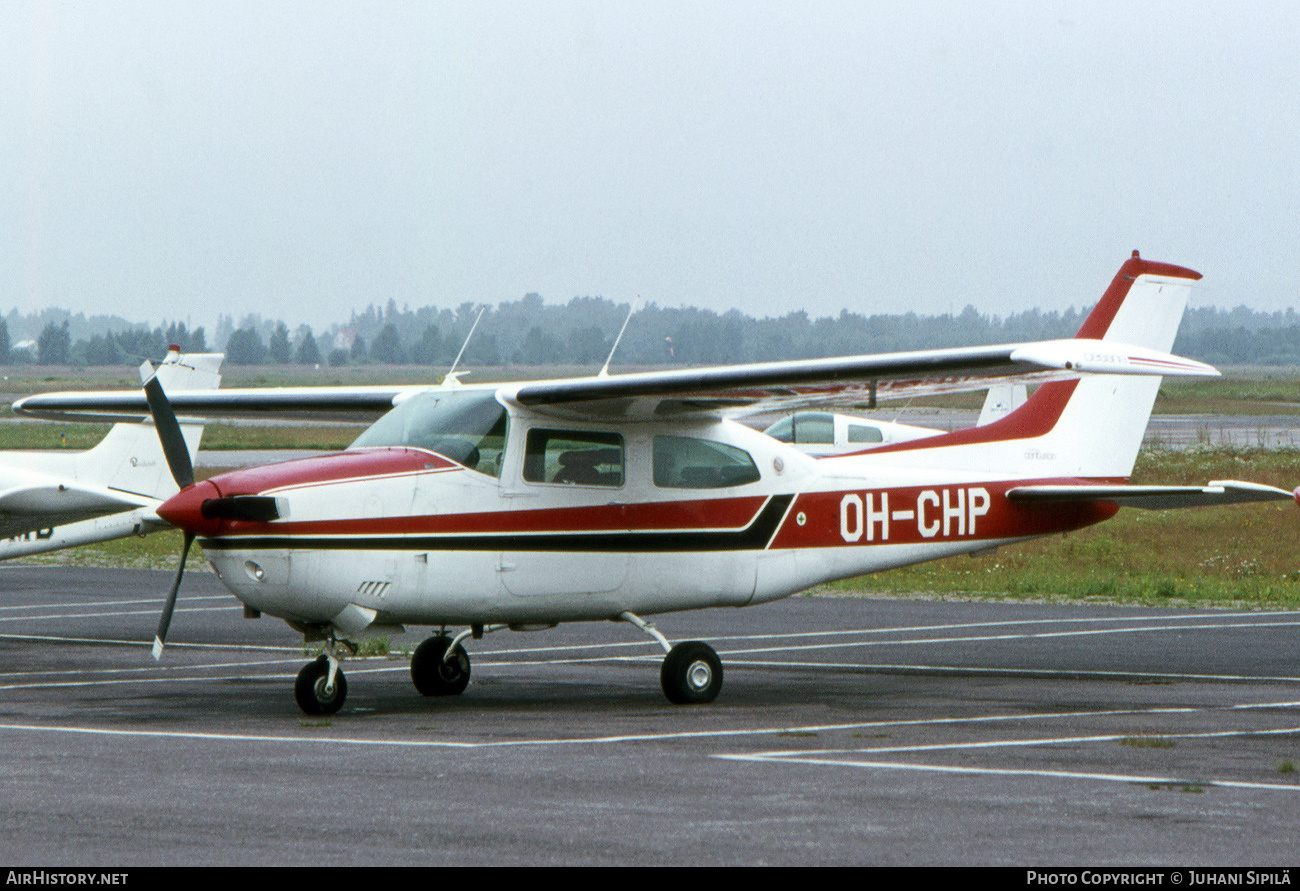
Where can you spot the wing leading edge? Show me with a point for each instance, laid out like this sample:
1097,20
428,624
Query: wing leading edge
852,380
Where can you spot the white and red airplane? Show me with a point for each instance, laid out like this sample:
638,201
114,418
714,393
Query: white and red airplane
525,505
53,499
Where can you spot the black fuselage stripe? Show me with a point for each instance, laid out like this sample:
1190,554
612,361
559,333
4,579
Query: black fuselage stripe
754,537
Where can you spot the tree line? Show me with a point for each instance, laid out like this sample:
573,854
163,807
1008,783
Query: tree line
530,332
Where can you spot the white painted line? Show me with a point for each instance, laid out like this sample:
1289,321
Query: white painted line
1045,635
927,668
68,617
1018,772
108,641
1019,743
103,603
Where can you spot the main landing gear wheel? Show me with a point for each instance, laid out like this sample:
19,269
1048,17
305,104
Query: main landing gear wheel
312,690
691,673
434,673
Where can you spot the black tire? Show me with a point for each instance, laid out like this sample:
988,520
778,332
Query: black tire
691,673
310,690
435,675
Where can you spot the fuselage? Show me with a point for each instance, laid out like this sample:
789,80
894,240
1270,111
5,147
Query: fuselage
496,515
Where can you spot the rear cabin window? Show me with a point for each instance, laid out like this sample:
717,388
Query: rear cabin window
573,457
865,433
681,462
811,427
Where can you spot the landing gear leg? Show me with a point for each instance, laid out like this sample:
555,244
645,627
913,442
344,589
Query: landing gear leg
691,672
440,667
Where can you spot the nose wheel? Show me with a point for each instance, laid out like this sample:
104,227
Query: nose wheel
320,688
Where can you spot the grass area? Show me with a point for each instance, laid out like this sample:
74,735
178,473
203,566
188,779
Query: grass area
1241,391
217,436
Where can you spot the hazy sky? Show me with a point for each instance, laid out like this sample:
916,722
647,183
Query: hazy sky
302,159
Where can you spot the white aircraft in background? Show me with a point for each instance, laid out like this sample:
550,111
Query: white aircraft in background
613,497
58,499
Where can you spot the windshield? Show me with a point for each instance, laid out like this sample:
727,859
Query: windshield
468,428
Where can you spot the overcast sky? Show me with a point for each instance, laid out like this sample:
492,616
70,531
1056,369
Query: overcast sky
304,159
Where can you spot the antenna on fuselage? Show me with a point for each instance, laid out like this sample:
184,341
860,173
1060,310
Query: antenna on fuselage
604,369
450,379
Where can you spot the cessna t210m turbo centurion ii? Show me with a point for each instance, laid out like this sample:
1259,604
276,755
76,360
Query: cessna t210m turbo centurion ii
615,497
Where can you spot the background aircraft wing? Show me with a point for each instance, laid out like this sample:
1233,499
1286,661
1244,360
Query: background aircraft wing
1152,497
351,403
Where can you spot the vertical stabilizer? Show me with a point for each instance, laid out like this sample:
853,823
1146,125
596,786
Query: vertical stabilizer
1091,427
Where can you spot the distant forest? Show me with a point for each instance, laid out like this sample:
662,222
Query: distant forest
581,332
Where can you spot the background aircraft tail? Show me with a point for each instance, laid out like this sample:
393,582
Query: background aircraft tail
130,458
1091,427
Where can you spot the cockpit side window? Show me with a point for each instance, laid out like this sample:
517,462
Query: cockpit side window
681,462
468,428
573,457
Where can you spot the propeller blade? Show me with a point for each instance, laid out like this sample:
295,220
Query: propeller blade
170,605
169,429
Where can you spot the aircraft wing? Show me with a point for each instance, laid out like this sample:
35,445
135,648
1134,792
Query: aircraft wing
736,389
1153,497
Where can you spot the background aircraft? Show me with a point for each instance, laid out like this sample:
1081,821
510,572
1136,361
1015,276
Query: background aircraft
57,499
618,496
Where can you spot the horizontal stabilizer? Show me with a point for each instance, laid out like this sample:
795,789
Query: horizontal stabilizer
1215,493
54,499
28,508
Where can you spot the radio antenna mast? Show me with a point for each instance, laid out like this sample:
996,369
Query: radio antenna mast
604,370
450,378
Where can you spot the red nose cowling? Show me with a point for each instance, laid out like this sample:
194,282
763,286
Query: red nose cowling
185,509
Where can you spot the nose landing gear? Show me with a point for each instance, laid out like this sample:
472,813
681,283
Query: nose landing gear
321,687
